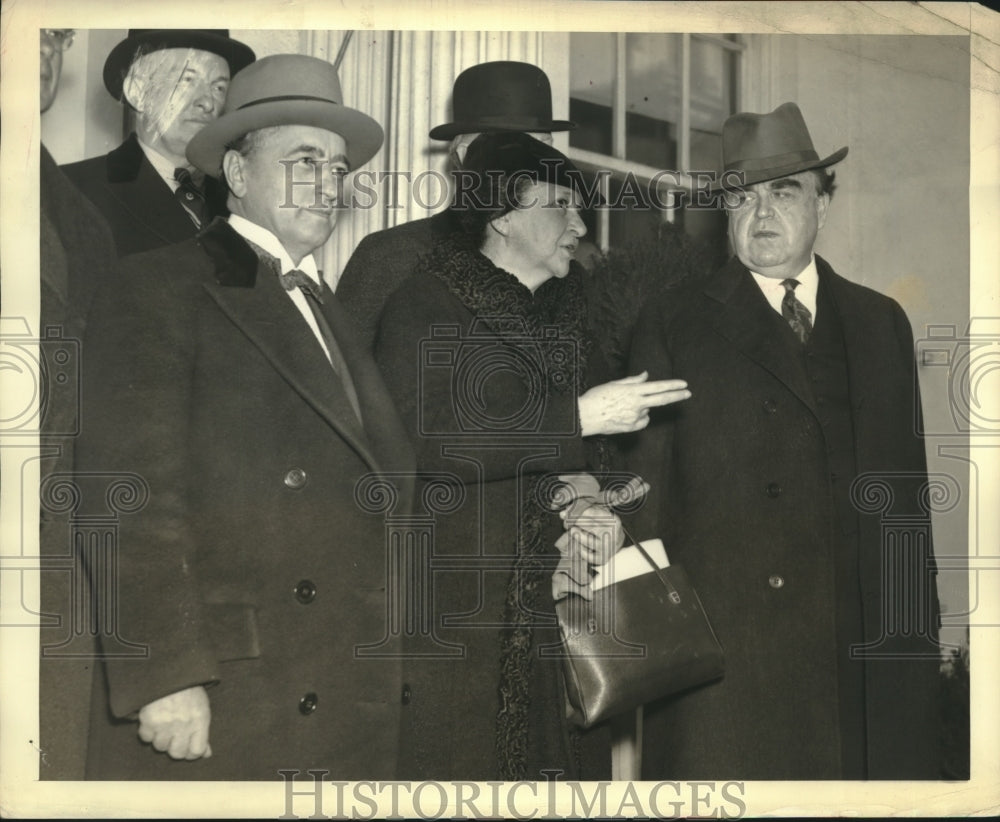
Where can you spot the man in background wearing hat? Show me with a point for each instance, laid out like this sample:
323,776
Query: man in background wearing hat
175,81
500,96
220,371
801,383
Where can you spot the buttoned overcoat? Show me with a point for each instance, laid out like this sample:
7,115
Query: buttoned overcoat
743,494
250,560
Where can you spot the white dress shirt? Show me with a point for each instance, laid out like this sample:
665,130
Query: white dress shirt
805,293
164,167
272,245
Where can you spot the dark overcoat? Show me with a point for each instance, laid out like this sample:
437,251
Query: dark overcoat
251,568
490,430
137,204
742,494
380,264
76,254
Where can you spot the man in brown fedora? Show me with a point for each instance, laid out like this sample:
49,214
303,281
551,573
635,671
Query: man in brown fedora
175,81
223,373
804,405
504,95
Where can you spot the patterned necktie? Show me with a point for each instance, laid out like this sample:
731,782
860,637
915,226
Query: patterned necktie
796,314
299,279
295,278
190,194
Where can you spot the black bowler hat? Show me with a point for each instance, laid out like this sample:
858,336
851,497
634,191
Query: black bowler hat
144,41
502,96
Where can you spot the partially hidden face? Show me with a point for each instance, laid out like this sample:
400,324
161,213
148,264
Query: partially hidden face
460,144
51,59
176,92
291,183
544,233
773,225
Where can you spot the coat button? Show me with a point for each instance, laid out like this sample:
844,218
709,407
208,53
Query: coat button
295,478
775,581
770,406
305,591
308,704
773,490
405,699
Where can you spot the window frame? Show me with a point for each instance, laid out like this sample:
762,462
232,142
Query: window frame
617,163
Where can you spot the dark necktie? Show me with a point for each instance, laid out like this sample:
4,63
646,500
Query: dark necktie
299,279
796,314
190,194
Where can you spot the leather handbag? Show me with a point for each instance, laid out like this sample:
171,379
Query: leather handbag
637,640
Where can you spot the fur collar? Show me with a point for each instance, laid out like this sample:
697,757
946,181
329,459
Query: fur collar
235,261
557,310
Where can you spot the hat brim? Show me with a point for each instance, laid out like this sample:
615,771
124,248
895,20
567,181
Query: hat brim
763,175
116,66
361,133
448,131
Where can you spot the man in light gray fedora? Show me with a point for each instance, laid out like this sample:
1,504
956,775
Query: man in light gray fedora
224,373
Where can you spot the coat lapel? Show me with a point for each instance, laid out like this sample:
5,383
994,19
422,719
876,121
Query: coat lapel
141,192
251,296
382,424
857,327
744,317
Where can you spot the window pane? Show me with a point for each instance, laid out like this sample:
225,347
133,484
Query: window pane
653,76
706,150
632,219
711,86
591,84
653,98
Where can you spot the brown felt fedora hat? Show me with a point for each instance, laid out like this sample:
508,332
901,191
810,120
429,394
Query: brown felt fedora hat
764,147
285,90
144,41
505,95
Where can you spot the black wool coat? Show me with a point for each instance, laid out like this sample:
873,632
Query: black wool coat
251,568
486,431
76,254
743,497
380,264
139,207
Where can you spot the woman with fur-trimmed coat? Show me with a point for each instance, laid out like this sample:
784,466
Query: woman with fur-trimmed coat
485,351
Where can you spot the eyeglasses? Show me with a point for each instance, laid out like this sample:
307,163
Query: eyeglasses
62,39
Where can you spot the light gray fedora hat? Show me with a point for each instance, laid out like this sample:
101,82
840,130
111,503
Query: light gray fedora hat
285,90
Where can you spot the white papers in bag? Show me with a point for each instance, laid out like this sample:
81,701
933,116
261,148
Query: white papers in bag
628,563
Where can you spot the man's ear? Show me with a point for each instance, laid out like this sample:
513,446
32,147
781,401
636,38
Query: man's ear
133,91
822,204
233,168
